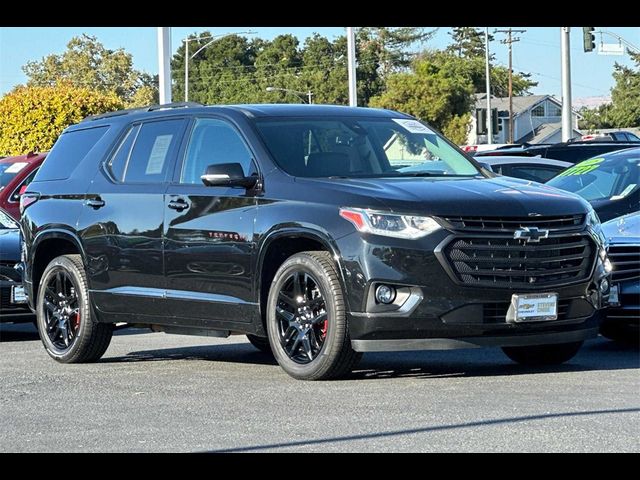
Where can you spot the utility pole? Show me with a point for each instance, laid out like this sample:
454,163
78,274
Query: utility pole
488,75
510,40
164,64
567,130
351,62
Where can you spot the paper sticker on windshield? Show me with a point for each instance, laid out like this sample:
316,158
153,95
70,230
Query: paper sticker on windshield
16,167
625,192
158,154
583,167
412,126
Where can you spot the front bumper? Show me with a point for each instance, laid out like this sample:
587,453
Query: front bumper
9,311
628,312
442,313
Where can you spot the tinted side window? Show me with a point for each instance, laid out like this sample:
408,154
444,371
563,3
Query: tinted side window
67,153
534,173
118,162
154,147
213,142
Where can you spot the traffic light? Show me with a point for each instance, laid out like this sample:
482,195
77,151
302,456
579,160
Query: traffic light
589,39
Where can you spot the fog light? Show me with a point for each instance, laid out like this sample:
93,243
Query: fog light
604,286
385,294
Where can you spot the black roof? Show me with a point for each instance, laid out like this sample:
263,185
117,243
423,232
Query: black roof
250,110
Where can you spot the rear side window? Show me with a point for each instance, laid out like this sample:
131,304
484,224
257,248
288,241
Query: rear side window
145,154
67,153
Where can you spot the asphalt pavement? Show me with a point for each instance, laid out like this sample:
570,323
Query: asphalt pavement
170,393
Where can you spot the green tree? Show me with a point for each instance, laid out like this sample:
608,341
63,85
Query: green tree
431,92
87,63
625,95
32,117
467,42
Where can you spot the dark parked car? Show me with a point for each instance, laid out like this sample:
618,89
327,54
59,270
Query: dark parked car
535,169
619,136
296,225
13,302
622,321
572,152
15,174
611,182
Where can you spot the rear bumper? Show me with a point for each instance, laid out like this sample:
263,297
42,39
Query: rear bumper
473,342
12,312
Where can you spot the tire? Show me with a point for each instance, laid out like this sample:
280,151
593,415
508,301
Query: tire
261,343
621,333
539,355
329,354
90,339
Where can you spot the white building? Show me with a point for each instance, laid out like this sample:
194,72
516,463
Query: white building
536,119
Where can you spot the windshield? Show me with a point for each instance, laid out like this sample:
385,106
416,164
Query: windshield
8,171
361,147
6,221
605,178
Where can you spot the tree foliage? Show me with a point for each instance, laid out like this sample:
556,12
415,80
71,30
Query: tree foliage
624,109
234,69
32,117
432,92
87,63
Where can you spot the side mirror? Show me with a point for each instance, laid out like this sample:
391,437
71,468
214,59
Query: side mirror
227,175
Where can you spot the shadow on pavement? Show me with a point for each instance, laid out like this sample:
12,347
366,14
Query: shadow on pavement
18,332
436,428
598,354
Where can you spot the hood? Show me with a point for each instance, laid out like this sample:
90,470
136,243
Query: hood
625,229
9,245
499,196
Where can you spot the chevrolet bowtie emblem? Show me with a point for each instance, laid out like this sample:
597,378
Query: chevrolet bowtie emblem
530,234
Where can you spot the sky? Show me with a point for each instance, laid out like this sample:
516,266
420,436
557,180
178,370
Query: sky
538,51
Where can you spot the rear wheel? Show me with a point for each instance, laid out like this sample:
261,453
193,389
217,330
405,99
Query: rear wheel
261,343
306,319
537,355
65,321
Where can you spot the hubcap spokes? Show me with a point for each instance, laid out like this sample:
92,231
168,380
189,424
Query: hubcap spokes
61,311
302,317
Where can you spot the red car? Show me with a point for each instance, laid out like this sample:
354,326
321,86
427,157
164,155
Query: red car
16,172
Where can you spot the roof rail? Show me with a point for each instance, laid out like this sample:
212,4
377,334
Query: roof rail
150,108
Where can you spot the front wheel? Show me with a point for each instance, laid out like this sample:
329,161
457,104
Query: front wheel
68,330
307,321
538,355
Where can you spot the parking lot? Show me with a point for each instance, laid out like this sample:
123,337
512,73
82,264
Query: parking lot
158,392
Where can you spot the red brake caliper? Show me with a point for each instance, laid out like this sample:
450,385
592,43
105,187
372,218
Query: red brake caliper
75,321
323,329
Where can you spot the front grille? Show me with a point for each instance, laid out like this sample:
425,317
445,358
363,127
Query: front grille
497,312
510,263
565,223
626,262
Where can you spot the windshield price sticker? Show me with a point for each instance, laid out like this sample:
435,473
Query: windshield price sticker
583,167
413,126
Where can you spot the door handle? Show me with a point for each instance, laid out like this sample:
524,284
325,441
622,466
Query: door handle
95,203
178,205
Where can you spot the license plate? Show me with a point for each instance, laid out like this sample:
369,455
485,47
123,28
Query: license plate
539,307
614,299
18,294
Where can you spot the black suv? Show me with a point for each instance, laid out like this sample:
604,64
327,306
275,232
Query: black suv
308,228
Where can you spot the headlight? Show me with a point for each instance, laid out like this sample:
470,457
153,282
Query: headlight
388,224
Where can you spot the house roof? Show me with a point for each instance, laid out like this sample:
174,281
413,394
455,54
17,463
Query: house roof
520,104
542,133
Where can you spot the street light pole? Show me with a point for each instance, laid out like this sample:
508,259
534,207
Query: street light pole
188,57
488,75
567,130
351,62
164,64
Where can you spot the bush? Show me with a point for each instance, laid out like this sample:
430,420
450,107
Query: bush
32,118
